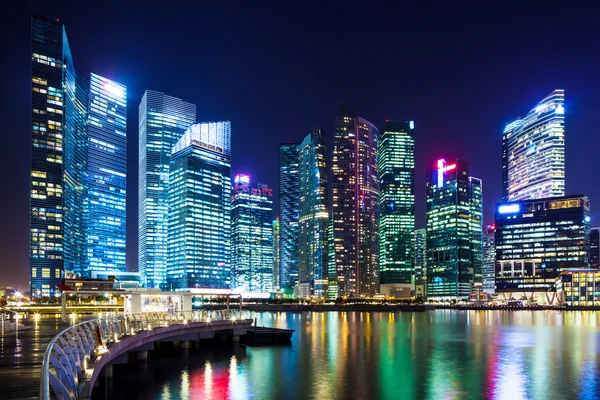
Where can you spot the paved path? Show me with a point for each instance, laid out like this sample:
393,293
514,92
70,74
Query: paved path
21,356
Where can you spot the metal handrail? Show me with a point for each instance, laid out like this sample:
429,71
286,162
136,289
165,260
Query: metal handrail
68,354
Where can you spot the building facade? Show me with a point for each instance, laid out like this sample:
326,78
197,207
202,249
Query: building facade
51,65
251,237
107,175
396,208
538,239
200,208
313,214
289,197
420,262
355,205
595,248
489,259
533,152
454,232
162,121
579,288
276,260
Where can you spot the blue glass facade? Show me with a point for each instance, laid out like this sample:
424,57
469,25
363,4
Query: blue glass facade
251,237
107,175
162,121
199,208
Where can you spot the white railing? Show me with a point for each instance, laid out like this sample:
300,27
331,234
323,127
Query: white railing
66,361
9,319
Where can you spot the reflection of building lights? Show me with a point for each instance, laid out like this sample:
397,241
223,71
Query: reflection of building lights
36,317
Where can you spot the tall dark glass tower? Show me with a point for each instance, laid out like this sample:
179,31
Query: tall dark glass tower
289,184
355,201
454,231
51,67
163,120
396,207
313,216
200,208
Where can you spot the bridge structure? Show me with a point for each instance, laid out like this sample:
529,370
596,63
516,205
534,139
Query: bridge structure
77,356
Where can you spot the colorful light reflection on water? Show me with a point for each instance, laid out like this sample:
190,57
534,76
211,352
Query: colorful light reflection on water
443,354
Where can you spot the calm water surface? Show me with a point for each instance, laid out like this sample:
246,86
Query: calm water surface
444,354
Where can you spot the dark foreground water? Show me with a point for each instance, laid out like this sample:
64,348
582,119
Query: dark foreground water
444,354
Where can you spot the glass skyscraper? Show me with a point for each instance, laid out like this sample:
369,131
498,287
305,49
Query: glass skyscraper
420,261
78,165
107,175
251,237
454,231
199,219
289,184
313,215
51,65
489,259
276,261
396,207
162,121
533,152
355,201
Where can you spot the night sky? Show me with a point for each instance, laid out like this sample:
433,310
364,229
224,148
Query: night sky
275,70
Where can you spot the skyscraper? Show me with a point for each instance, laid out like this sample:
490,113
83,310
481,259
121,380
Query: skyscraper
489,259
396,207
420,256
595,248
533,152
276,260
454,215
199,208
313,215
289,183
355,198
162,121
107,175
51,66
251,236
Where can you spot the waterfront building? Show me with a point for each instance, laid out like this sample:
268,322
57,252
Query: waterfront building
200,208
78,165
538,239
107,175
595,248
251,237
51,66
355,205
276,260
533,152
454,230
396,208
313,215
289,197
162,121
420,261
489,259
580,288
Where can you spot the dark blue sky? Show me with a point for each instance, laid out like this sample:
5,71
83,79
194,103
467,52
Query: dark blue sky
276,70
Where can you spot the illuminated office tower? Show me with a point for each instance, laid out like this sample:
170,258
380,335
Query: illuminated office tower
533,152
276,261
396,208
489,259
289,184
251,237
454,232
107,175
595,248
163,120
51,68
198,246
420,261
313,215
355,202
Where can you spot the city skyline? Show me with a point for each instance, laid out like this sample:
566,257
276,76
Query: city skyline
523,99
